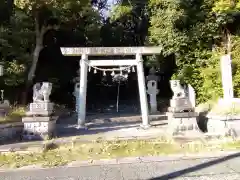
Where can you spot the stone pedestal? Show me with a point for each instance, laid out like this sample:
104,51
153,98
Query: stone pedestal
38,127
181,113
40,109
182,122
181,116
39,122
180,105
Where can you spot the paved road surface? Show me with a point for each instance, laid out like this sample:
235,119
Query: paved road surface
224,168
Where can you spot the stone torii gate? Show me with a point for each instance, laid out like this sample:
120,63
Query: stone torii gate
109,51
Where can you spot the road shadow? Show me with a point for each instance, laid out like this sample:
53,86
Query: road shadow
109,122
182,172
90,130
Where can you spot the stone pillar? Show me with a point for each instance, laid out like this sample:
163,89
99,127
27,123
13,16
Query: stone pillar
82,91
226,70
142,91
191,95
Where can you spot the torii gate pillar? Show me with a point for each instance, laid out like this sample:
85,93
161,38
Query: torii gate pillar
82,91
142,91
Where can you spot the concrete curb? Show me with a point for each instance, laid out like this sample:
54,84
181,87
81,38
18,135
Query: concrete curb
130,160
149,159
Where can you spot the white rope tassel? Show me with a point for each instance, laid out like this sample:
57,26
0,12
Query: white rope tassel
113,73
133,69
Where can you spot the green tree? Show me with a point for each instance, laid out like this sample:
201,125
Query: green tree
15,45
226,12
189,30
128,22
82,16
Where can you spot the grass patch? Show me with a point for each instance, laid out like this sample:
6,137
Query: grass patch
15,115
53,155
231,145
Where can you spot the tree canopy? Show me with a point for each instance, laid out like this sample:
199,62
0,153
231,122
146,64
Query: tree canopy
195,32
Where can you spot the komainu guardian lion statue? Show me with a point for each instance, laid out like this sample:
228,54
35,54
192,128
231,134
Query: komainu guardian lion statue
179,90
42,92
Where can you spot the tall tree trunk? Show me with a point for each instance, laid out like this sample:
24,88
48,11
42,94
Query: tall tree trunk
39,46
32,69
36,54
227,41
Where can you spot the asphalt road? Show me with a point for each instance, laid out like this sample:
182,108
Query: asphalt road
223,168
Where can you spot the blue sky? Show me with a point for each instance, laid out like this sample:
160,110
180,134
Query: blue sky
110,3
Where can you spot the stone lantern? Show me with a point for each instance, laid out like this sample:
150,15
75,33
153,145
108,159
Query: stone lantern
152,89
76,81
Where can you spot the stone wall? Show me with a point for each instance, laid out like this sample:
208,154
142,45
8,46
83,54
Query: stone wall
224,125
10,131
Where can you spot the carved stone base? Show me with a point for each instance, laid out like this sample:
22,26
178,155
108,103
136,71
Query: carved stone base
40,108
38,127
182,122
180,102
